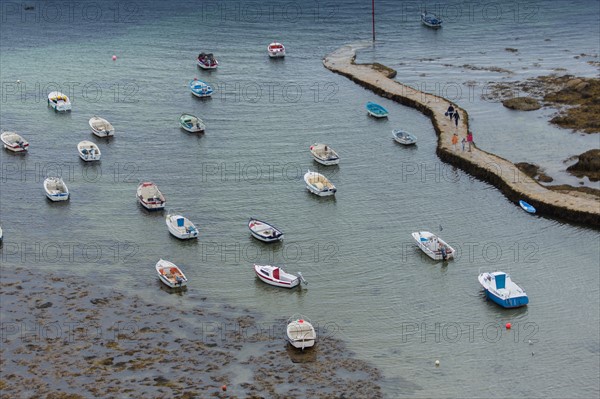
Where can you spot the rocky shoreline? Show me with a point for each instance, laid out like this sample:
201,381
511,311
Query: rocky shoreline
503,174
63,338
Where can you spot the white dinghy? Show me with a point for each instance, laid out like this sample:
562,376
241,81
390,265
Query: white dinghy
56,189
181,227
88,151
101,127
300,332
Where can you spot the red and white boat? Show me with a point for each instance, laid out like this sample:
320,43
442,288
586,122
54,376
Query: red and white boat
276,50
207,61
277,277
14,142
150,196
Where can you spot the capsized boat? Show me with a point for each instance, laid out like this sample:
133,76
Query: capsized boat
59,101
276,276
300,332
276,50
324,154
181,227
207,61
150,196
433,246
56,189
431,20
14,142
101,127
404,137
527,207
376,110
170,274
191,123
318,184
200,89
88,151
501,289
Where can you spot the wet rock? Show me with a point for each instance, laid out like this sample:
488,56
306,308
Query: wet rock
44,305
99,301
522,103
588,164
511,50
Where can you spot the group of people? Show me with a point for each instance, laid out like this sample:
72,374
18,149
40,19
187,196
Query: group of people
452,113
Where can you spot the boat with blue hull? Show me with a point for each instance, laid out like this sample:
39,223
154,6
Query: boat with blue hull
200,89
376,110
527,207
501,289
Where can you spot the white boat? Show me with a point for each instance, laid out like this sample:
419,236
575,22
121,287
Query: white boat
276,50
101,127
502,290
191,123
181,227
207,61
56,189
264,231
59,101
324,154
14,142
404,137
319,184
170,274
433,246
150,196
200,89
277,277
300,332
88,151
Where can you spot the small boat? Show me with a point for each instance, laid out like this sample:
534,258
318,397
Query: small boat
319,184
181,227
59,102
101,127
433,246
200,89
264,231
88,151
150,196
324,154
501,289
56,189
192,123
527,207
14,142
277,277
170,274
207,61
276,50
431,20
404,137
376,110
300,332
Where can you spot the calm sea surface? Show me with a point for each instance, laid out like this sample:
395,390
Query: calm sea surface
368,284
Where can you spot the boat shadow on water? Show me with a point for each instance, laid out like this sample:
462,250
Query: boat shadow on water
308,355
177,291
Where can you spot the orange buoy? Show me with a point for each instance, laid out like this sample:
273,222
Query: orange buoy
224,387
508,326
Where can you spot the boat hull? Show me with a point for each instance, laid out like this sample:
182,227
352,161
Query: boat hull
151,206
58,197
320,193
275,282
526,207
17,148
508,303
326,162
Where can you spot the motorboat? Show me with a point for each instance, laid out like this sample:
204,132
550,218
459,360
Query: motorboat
200,89
59,101
433,246
207,61
101,127
276,50
318,184
404,137
56,189
150,196
181,227
191,123
276,276
264,231
500,288
14,142
300,332
170,274
88,151
376,110
431,20
324,154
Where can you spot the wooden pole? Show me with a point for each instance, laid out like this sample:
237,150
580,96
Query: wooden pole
373,14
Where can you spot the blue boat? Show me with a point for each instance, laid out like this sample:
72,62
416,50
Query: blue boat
501,289
527,207
200,89
431,20
376,110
